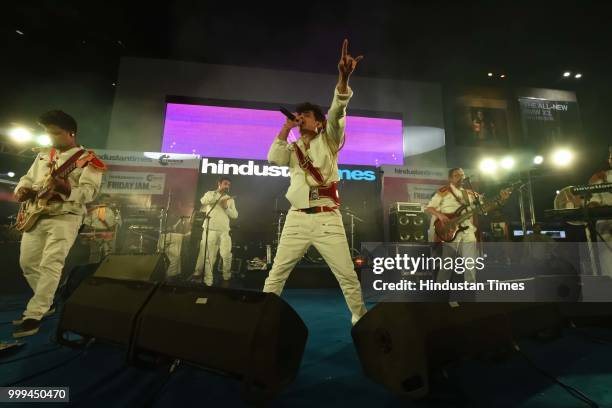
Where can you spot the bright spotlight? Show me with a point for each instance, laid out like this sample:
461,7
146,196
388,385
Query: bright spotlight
44,140
562,157
490,74
507,163
502,76
538,160
20,135
488,166
10,174
566,74
578,76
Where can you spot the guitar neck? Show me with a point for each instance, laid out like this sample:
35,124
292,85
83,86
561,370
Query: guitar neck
62,171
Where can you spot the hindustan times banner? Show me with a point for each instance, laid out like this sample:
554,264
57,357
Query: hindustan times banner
487,272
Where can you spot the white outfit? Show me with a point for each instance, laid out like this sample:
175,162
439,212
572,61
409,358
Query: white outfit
219,240
323,230
464,243
44,248
604,227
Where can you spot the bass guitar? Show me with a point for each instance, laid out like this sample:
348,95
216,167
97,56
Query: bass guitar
448,231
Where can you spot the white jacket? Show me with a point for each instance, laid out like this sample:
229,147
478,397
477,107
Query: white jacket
84,182
281,153
219,217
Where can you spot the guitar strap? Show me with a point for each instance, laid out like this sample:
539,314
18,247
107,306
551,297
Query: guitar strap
52,160
466,199
306,164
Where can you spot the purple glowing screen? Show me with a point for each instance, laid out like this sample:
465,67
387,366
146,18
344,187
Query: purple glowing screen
240,133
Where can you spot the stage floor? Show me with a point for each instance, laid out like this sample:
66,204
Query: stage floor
330,374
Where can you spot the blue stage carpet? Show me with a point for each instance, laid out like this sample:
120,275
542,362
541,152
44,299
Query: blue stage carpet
330,374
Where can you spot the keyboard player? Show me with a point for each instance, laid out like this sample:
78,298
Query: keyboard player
604,227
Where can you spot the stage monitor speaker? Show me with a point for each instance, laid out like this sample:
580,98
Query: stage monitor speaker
139,267
253,336
104,309
408,226
105,306
401,344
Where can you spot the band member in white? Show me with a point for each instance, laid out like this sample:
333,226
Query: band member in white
219,239
314,218
603,227
446,201
44,246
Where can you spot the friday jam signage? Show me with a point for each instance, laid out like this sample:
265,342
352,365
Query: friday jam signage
130,182
547,123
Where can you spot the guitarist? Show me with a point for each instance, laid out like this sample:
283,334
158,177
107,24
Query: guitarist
44,246
446,201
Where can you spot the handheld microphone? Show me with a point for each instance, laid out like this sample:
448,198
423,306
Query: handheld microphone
288,114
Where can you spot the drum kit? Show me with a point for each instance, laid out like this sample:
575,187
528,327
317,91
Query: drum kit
137,231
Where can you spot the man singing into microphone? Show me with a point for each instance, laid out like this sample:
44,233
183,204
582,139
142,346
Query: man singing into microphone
314,218
219,239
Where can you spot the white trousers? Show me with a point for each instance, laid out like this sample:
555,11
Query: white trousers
465,246
43,253
326,232
218,242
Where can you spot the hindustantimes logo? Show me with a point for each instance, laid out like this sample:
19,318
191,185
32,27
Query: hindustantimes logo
250,168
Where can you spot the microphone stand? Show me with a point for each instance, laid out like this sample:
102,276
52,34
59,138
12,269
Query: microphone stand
163,222
207,220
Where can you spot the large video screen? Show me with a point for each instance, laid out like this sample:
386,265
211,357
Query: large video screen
245,133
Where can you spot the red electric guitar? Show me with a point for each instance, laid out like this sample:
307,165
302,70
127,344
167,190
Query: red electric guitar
448,231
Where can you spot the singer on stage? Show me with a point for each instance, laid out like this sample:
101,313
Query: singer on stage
314,218
219,240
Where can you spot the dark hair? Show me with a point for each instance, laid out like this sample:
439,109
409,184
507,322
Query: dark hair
60,119
315,109
222,179
451,171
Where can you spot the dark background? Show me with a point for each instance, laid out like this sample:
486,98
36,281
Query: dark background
69,52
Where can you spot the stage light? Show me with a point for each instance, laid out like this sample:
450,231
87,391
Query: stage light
490,74
562,157
566,74
488,166
44,140
558,192
20,135
507,163
502,76
10,174
578,76
538,160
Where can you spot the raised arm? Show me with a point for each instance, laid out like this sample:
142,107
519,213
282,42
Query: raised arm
342,94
